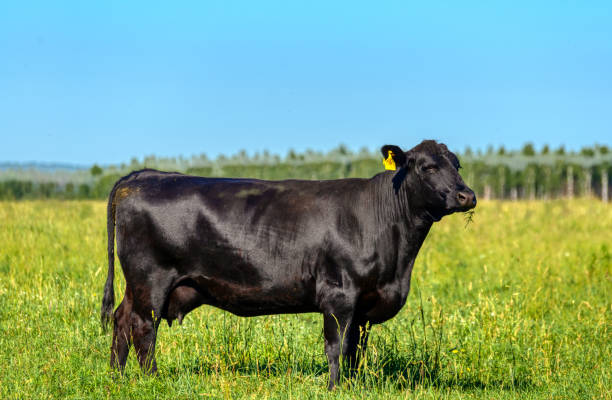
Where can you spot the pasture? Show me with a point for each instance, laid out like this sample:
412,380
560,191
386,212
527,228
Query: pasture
515,304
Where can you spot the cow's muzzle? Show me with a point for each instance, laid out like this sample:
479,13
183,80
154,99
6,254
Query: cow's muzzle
466,199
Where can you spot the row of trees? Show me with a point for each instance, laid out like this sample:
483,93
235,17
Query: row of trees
501,174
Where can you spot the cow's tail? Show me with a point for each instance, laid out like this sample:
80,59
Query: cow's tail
108,301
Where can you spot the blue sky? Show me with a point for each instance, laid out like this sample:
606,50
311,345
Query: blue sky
84,82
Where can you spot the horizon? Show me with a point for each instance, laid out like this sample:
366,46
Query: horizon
88,84
478,152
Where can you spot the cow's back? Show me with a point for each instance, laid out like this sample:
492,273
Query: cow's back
255,245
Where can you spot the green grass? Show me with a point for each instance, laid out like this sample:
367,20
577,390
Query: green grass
515,305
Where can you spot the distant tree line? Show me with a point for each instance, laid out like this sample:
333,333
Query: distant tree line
494,174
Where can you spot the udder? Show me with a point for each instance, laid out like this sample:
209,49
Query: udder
182,300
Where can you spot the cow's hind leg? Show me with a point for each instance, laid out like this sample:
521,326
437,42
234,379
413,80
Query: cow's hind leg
121,334
135,323
146,317
144,334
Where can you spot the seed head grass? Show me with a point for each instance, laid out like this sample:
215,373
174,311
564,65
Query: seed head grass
516,304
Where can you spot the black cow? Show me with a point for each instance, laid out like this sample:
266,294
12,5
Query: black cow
344,248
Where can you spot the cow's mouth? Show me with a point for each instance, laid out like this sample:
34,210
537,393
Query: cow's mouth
461,208
436,214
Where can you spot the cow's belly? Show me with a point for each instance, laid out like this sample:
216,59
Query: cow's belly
242,299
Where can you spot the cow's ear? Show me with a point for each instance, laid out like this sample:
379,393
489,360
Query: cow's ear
393,156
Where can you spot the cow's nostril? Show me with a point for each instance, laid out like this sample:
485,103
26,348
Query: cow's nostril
466,199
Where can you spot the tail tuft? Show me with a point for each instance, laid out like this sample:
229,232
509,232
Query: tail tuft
108,301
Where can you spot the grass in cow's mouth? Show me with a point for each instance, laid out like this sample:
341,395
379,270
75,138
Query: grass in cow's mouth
469,217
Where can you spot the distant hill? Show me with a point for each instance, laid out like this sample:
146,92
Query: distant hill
42,166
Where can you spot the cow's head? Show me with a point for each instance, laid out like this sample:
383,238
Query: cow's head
429,174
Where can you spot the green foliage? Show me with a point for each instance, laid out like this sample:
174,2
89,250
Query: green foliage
499,173
96,170
528,150
515,305
103,185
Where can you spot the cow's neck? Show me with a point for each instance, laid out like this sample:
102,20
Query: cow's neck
397,216
394,205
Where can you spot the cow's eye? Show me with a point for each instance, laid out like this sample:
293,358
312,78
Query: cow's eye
430,169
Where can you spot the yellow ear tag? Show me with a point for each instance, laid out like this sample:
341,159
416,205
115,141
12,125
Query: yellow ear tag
389,163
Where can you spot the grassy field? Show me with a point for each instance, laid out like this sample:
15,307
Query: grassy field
517,304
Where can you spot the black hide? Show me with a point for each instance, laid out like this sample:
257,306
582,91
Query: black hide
344,248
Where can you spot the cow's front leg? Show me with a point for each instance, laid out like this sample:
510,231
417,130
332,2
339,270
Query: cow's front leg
357,343
336,328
